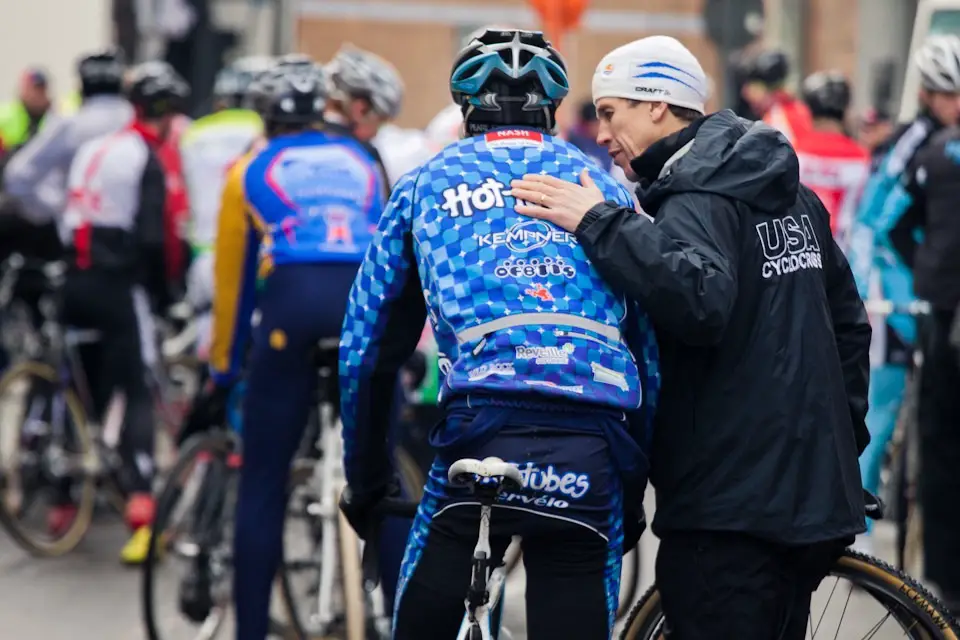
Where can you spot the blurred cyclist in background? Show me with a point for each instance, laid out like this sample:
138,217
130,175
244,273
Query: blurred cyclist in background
207,149
832,165
764,90
883,242
35,179
113,230
874,129
37,174
22,118
365,92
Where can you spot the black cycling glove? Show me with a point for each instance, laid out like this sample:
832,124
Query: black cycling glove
360,510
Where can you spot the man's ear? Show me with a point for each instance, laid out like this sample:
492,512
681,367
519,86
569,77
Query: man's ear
658,111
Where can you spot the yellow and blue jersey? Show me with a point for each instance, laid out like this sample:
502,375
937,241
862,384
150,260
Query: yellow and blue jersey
309,197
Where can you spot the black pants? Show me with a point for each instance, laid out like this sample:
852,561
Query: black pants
719,586
106,303
939,422
565,564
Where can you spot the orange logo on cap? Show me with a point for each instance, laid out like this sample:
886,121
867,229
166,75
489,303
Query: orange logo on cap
607,70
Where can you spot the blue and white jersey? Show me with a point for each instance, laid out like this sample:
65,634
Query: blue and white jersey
884,235
515,306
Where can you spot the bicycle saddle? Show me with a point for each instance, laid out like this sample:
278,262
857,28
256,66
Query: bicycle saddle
468,470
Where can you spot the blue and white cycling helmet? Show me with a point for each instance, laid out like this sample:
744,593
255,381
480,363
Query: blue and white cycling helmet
502,69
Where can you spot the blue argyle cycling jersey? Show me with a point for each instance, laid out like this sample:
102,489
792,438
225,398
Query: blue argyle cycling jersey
514,304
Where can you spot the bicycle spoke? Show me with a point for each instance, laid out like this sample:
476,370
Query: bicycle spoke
843,613
817,628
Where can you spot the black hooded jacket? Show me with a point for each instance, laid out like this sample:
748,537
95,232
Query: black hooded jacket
763,338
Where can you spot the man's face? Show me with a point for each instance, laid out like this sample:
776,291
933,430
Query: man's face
364,121
34,97
944,106
626,128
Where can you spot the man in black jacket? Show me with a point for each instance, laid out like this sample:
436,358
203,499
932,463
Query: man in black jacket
764,345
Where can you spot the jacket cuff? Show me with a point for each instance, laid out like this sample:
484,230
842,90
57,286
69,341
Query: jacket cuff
591,216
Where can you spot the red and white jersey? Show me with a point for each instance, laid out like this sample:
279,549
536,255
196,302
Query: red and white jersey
788,115
835,168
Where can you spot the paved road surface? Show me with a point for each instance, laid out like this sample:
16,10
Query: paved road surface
89,596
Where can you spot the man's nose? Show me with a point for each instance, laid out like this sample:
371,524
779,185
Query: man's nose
603,135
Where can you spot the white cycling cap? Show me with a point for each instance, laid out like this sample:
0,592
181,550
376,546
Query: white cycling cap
654,69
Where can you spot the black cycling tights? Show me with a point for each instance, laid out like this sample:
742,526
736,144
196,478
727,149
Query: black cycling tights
103,302
565,563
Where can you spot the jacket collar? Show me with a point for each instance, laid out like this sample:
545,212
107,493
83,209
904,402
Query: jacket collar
653,163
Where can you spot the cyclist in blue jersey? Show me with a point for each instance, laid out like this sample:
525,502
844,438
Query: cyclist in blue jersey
545,365
301,211
884,238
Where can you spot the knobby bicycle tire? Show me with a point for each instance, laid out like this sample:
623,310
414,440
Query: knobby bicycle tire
26,371
221,444
882,581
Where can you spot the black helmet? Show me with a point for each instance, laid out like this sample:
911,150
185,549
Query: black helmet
295,96
234,80
509,77
827,94
156,89
101,73
769,67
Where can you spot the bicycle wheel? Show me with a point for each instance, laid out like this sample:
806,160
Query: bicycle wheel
51,452
306,560
194,520
918,613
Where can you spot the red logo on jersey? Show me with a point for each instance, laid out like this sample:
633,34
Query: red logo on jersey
288,226
513,138
539,292
338,225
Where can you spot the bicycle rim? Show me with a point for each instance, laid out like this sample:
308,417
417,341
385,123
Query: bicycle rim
73,419
216,447
905,600
629,581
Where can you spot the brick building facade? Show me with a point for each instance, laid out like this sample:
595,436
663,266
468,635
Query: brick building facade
421,36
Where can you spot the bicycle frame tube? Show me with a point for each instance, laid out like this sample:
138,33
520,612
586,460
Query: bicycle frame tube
329,513
494,584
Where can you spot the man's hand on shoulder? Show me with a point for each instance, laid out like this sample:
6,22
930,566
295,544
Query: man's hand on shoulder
563,203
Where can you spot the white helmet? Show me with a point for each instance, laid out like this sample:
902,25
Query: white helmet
938,61
355,73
